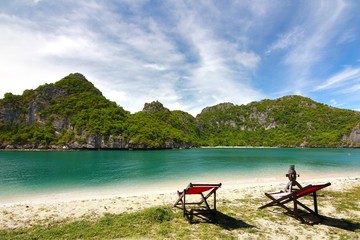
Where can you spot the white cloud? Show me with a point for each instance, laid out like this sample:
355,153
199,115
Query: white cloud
248,59
352,88
21,66
348,36
333,102
321,27
348,75
30,2
156,67
289,39
214,78
71,47
312,28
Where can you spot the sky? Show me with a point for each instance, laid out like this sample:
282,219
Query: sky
186,54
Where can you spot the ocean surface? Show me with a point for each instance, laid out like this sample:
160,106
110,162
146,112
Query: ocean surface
27,172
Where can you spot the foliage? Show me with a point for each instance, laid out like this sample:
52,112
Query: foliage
72,112
53,112
290,121
161,128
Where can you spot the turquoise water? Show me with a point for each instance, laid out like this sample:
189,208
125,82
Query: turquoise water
32,172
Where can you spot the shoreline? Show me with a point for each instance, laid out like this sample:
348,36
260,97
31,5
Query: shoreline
61,149
231,181
123,190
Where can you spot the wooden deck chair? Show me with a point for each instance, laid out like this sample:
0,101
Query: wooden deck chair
282,198
201,207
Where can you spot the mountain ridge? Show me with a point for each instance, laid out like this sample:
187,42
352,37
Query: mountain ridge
73,114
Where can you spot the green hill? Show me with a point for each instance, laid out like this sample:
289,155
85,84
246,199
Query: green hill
158,127
290,121
72,113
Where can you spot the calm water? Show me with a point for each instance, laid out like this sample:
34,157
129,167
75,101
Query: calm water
32,172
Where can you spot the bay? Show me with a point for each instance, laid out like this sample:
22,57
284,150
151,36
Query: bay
32,172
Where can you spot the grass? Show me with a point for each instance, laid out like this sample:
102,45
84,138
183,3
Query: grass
236,219
348,204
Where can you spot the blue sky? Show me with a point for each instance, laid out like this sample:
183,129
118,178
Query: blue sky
186,54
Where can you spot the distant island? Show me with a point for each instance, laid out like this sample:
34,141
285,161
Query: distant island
73,114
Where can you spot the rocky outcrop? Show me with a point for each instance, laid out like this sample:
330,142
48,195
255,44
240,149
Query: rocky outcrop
354,137
220,107
9,114
154,107
97,141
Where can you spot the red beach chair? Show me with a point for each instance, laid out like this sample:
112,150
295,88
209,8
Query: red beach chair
202,208
281,198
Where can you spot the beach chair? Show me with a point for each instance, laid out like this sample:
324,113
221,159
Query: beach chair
281,198
201,207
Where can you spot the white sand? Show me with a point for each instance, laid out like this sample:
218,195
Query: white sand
50,209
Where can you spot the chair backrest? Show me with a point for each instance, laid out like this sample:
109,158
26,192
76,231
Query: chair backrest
200,188
310,189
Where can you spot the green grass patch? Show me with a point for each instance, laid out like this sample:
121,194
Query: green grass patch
346,201
149,222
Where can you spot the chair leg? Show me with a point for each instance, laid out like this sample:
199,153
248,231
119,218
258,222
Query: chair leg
315,203
215,201
184,205
295,210
211,211
215,206
180,199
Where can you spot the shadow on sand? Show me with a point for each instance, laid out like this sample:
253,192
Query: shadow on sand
225,221
229,223
340,223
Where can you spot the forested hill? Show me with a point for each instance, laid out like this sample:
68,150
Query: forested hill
73,114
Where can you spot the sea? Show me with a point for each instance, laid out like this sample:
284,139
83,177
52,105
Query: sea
39,172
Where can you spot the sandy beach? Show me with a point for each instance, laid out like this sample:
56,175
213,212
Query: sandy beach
47,210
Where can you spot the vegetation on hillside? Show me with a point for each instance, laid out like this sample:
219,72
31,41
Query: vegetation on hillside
291,121
72,113
158,127
59,114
